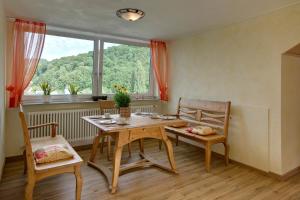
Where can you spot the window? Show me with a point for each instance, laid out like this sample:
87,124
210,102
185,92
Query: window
64,62
93,65
126,65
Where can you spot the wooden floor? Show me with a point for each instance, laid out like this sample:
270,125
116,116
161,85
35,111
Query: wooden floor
193,182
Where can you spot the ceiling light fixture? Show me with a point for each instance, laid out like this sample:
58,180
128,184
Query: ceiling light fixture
130,14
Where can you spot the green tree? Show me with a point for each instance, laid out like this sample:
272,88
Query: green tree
123,64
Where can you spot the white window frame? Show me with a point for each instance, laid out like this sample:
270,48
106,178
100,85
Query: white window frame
97,75
151,91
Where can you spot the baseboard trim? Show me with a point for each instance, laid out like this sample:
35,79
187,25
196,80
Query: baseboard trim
287,175
13,158
2,169
83,147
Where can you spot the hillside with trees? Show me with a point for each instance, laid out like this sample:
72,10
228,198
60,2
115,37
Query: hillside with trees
123,64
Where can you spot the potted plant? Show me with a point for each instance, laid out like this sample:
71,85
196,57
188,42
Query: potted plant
47,89
73,90
122,100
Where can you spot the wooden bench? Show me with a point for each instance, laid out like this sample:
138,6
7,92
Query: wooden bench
204,113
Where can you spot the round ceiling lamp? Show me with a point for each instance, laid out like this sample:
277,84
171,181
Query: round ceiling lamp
130,14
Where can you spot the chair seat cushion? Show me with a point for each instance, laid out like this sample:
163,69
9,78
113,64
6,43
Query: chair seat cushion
184,133
201,130
52,153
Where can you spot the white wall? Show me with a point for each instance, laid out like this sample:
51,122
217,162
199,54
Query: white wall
2,85
290,112
241,63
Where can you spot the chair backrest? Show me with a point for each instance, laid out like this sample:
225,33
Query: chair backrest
106,105
26,136
214,114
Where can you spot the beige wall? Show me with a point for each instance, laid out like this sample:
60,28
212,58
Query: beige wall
241,63
2,86
290,112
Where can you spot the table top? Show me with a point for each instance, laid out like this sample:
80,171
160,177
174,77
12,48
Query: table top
135,121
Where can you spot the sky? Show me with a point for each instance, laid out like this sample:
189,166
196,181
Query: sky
57,47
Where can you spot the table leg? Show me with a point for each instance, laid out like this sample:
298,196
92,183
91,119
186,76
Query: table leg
125,138
116,167
169,148
108,147
170,153
94,148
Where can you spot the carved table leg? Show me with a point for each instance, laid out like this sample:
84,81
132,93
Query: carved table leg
116,164
108,147
169,149
94,148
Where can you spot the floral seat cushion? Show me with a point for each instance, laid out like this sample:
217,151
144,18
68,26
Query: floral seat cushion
52,153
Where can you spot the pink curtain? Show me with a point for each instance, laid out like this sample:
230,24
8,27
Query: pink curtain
27,46
159,63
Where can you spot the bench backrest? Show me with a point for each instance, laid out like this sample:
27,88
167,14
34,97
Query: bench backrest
214,114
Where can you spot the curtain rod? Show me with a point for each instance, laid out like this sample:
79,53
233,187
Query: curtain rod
88,33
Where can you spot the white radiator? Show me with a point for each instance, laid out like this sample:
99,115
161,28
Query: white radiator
70,124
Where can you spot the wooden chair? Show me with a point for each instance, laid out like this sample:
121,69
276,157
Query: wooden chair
107,106
214,114
37,172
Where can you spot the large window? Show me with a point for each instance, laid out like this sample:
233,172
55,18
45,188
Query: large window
64,62
93,65
126,65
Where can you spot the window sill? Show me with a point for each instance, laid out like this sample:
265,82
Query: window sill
79,100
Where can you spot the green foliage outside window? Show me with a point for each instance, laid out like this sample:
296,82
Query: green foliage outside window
128,66
65,71
122,64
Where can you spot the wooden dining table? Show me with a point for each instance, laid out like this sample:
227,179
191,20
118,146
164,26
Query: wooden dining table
138,127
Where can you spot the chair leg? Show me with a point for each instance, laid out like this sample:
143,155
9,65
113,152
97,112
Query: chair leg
129,149
102,144
159,144
108,148
25,162
207,156
226,153
141,144
29,188
78,182
177,140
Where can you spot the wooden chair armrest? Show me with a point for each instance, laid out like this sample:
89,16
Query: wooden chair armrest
52,124
42,125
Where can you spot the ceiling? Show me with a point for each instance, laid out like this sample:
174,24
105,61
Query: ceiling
165,19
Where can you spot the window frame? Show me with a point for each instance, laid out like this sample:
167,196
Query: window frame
97,74
151,91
